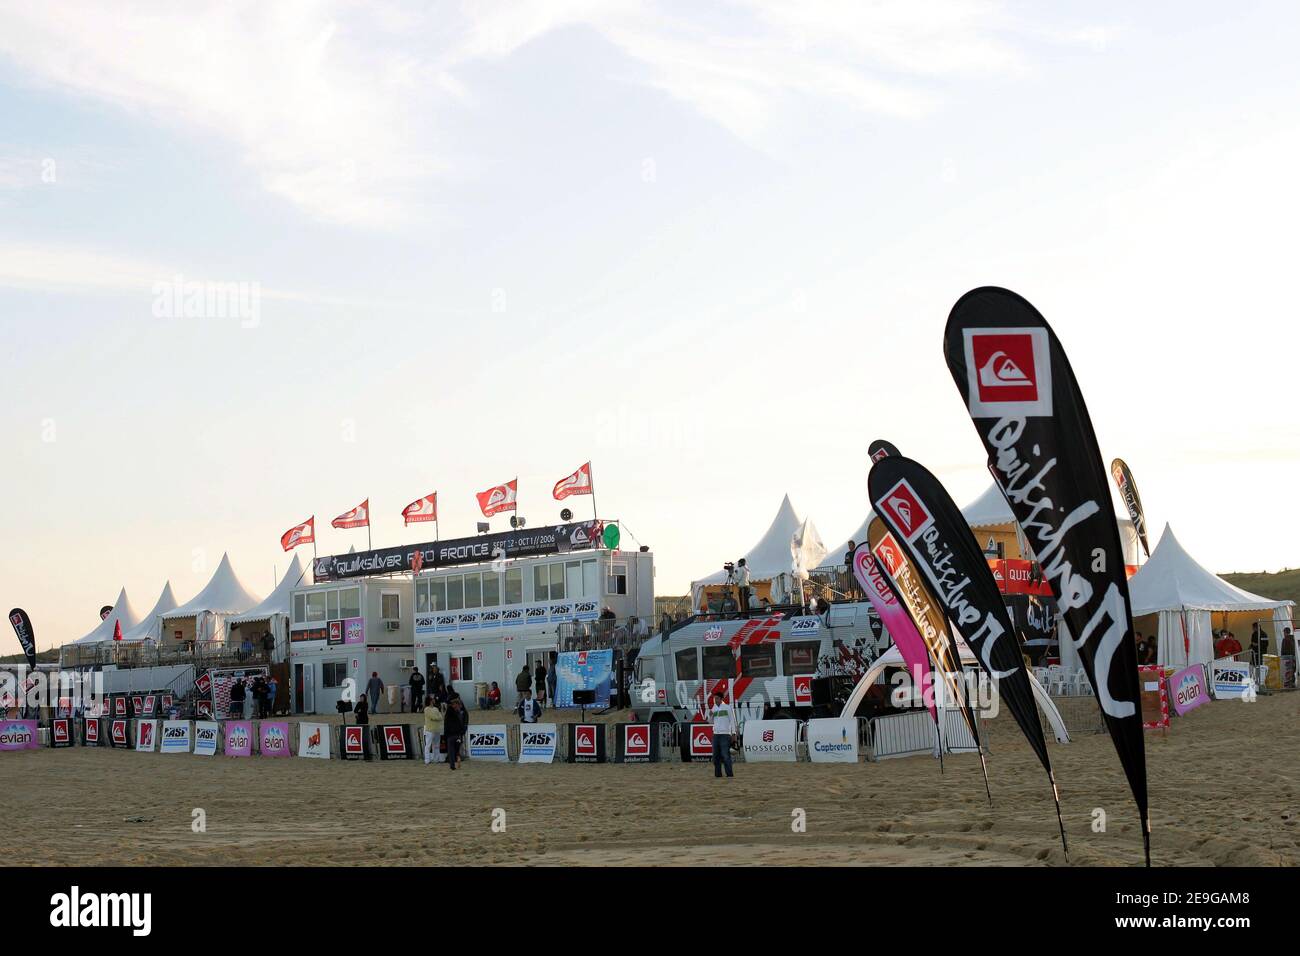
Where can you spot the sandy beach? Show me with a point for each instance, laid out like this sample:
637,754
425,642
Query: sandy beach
1222,783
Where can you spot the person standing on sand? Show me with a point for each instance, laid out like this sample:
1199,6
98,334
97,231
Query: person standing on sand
724,727
540,676
523,681
433,727
417,690
551,679
455,725
361,711
374,688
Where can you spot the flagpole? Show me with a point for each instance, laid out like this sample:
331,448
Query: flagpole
369,544
595,515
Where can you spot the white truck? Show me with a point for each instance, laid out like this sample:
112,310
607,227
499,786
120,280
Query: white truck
765,664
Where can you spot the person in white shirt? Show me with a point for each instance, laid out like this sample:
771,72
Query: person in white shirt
742,585
529,709
724,726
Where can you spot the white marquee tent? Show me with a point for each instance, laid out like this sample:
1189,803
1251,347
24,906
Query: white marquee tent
148,629
1185,595
835,556
103,631
990,510
274,609
769,559
202,617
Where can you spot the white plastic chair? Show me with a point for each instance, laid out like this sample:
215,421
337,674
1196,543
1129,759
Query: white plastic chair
1082,684
1055,680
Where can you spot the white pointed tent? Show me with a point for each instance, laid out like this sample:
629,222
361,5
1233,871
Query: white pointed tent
835,556
990,513
1184,595
103,631
203,616
768,559
273,612
147,629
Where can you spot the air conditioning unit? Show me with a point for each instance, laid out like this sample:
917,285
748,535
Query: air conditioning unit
392,625
408,663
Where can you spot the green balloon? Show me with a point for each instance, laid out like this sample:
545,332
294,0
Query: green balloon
610,537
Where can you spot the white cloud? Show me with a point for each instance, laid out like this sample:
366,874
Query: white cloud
335,106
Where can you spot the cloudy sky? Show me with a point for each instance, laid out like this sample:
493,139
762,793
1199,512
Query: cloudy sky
710,247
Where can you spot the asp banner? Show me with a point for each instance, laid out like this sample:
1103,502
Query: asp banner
487,742
206,733
175,737
771,741
1030,414
833,740
537,743
1128,491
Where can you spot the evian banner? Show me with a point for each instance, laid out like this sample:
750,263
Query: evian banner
18,735
896,621
927,523
1028,410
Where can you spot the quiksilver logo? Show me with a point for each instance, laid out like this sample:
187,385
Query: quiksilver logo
75,909
1000,371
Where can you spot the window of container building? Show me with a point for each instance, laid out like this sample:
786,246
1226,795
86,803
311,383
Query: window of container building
421,597
616,581
573,578
557,581
590,578
514,586
390,607
334,605
349,603
300,609
473,590
541,583
438,594
455,593
491,589
316,606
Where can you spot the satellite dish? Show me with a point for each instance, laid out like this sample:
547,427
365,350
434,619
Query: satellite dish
566,515
610,538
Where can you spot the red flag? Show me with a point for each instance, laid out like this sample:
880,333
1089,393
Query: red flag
117,629
422,509
417,561
578,483
358,517
304,533
500,498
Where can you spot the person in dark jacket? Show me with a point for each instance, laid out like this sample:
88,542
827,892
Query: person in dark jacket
435,686
417,690
454,727
362,711
237,692
523,681
540,677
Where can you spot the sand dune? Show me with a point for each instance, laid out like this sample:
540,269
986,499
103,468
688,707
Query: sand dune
1223,792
